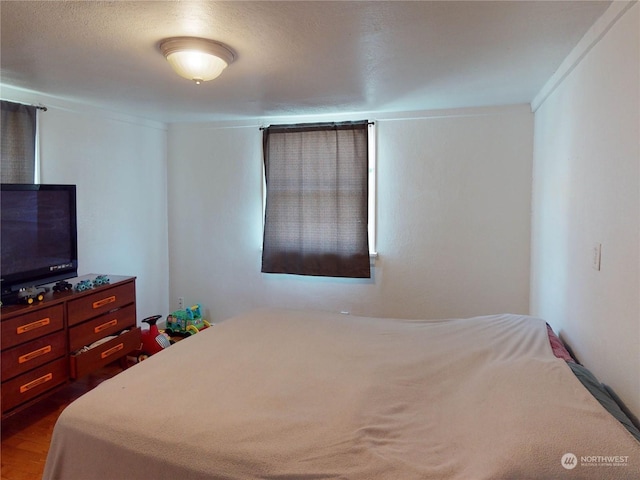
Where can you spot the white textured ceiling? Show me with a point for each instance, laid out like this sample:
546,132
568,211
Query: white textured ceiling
293,57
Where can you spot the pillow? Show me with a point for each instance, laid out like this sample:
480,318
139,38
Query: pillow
559,350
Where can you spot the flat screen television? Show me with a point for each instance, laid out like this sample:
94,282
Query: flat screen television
38,235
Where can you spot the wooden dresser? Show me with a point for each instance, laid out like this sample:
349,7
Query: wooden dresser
45,345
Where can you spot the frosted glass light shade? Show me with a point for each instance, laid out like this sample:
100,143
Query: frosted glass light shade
195,65
196,59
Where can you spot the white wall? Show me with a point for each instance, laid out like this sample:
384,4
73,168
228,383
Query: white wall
119,166
586,190
453,220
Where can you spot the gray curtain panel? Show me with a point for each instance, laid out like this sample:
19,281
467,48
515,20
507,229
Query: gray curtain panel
316,214
18,155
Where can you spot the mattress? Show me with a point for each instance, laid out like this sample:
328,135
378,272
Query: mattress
281,394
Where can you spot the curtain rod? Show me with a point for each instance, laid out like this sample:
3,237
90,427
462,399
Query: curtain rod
37,107
368,123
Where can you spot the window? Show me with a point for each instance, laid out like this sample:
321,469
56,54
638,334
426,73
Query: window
317,205
18,153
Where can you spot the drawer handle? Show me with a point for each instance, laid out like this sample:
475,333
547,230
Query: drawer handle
104,301
33,325
38,381
112,350
35,354
106,325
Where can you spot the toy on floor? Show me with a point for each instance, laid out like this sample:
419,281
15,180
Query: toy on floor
152,340
186,322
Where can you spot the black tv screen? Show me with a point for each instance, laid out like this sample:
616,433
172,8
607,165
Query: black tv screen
38,235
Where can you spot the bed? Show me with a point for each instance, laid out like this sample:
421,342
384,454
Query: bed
289,395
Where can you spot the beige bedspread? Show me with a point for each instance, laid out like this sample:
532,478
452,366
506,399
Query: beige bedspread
278,394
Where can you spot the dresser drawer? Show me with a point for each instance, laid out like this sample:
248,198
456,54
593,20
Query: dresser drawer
86,362
31,384
88,332
100,302
23,358
32,325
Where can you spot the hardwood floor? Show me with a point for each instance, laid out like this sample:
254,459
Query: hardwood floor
26,435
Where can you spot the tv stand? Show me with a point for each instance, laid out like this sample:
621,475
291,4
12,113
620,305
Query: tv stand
45,344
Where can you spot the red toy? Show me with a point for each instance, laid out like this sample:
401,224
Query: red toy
152,340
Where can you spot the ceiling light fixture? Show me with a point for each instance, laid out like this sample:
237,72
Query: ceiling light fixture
197,59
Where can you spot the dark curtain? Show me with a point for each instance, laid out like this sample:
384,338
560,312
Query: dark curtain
316,213
18,155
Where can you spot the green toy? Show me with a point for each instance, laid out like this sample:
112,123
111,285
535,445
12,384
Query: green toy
186,322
